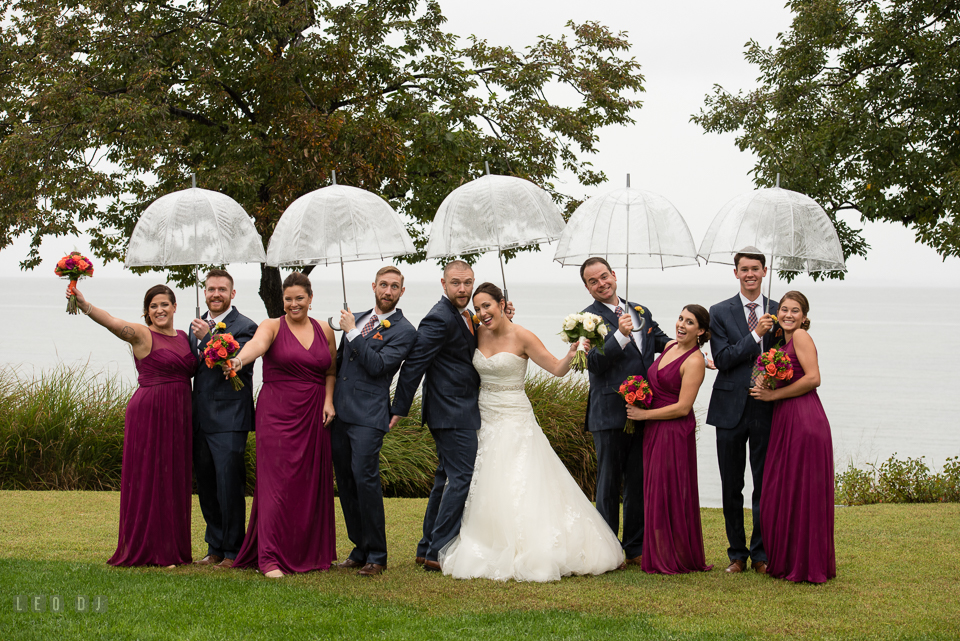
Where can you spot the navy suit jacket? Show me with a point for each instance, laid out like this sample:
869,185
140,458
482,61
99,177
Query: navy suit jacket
606,409
217,407
734,353
365,369
444,354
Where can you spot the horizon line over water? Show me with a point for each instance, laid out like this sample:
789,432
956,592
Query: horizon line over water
883,394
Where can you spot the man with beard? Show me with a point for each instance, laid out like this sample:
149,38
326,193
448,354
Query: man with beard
222,417
374,345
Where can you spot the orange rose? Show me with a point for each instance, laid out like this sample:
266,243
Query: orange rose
210,362
771,369
782,375
631,398
789,374
221,352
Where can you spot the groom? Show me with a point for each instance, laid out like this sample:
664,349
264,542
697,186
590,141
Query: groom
446,341
625,353
741,328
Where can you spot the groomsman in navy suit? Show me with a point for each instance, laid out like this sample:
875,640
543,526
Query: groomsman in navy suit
222,417
741,327
446,341
374,345
625,353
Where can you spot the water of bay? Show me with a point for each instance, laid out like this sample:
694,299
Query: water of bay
888,367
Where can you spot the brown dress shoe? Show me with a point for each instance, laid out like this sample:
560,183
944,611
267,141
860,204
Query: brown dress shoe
371,569
210,559
349,564
226,563
736,566
759,566
419,560
431,566
635,560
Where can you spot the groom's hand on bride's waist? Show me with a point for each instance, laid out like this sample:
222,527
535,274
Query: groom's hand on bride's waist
509,311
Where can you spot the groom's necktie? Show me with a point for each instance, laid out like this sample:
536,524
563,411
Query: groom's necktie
469,320
368,327
618,311
752,316
212,323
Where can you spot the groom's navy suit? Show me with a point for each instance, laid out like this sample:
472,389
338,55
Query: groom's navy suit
444,354
361,398
222,417
739,418
619,455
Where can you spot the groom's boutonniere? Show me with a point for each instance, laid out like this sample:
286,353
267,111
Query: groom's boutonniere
639,309
475,319
384,324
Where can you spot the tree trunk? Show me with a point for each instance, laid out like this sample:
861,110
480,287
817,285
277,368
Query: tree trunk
271,290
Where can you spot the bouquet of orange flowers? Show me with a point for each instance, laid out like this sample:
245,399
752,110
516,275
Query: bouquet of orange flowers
221,348
73,266
636,391
772,366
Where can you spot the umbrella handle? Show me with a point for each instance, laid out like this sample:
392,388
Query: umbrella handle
332,326
643,321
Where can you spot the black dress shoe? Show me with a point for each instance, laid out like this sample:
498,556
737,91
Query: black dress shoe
431,566
349,564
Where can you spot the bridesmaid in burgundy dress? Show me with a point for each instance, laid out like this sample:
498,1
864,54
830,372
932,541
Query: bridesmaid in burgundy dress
796,509
292,526
155,478
672,535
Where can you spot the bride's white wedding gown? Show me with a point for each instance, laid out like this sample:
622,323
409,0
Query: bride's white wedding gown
525,518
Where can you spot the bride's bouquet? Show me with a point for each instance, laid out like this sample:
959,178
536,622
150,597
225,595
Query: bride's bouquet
73,266
221,348
636,391
772,366
579,328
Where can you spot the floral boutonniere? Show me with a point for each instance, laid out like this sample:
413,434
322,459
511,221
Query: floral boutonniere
475,319
384,324
639,309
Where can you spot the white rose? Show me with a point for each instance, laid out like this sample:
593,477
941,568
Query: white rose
564,337
589,324
602,330
569,322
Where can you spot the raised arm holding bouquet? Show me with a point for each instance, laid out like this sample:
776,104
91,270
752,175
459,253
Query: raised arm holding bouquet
73,266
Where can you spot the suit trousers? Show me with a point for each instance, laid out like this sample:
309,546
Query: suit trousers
620,469
356,462
753,428
218,461
457,453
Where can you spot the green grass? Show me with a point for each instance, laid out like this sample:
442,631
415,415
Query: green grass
898,578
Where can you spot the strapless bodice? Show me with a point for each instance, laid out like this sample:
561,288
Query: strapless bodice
504,371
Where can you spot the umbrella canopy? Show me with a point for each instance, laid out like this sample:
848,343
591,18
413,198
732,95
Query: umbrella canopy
194,227
629,228
337,224
493,213
789,227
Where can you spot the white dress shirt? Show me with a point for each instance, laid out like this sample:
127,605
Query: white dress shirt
760,311
353,333
623,340
220,317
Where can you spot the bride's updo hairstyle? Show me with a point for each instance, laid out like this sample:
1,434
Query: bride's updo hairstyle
152,293
296,279
703,322
490,290
801,300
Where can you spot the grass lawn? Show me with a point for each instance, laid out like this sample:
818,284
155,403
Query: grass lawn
898,578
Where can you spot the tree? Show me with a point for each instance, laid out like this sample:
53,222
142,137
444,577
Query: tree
859,108
104,106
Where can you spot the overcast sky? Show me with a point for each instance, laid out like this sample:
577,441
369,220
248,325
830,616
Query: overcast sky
684,48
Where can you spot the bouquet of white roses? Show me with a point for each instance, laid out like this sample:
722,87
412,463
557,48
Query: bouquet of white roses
578,328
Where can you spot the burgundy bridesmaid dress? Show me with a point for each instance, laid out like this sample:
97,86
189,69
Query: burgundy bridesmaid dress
156,474
796,508
672,535
292,525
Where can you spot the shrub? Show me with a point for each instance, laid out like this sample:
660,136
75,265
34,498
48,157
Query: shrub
896,481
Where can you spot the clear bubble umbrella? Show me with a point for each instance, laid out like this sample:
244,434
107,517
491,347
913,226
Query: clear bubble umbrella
194,227
629,228
790,228
493,213
337,224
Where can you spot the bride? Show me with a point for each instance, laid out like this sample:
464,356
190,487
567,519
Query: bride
525,518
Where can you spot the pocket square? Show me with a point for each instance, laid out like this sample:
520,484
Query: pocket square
649,330
377,337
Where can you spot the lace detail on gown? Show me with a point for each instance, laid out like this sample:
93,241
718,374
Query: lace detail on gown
525,517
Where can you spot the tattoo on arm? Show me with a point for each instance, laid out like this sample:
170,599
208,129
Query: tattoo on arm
126,333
